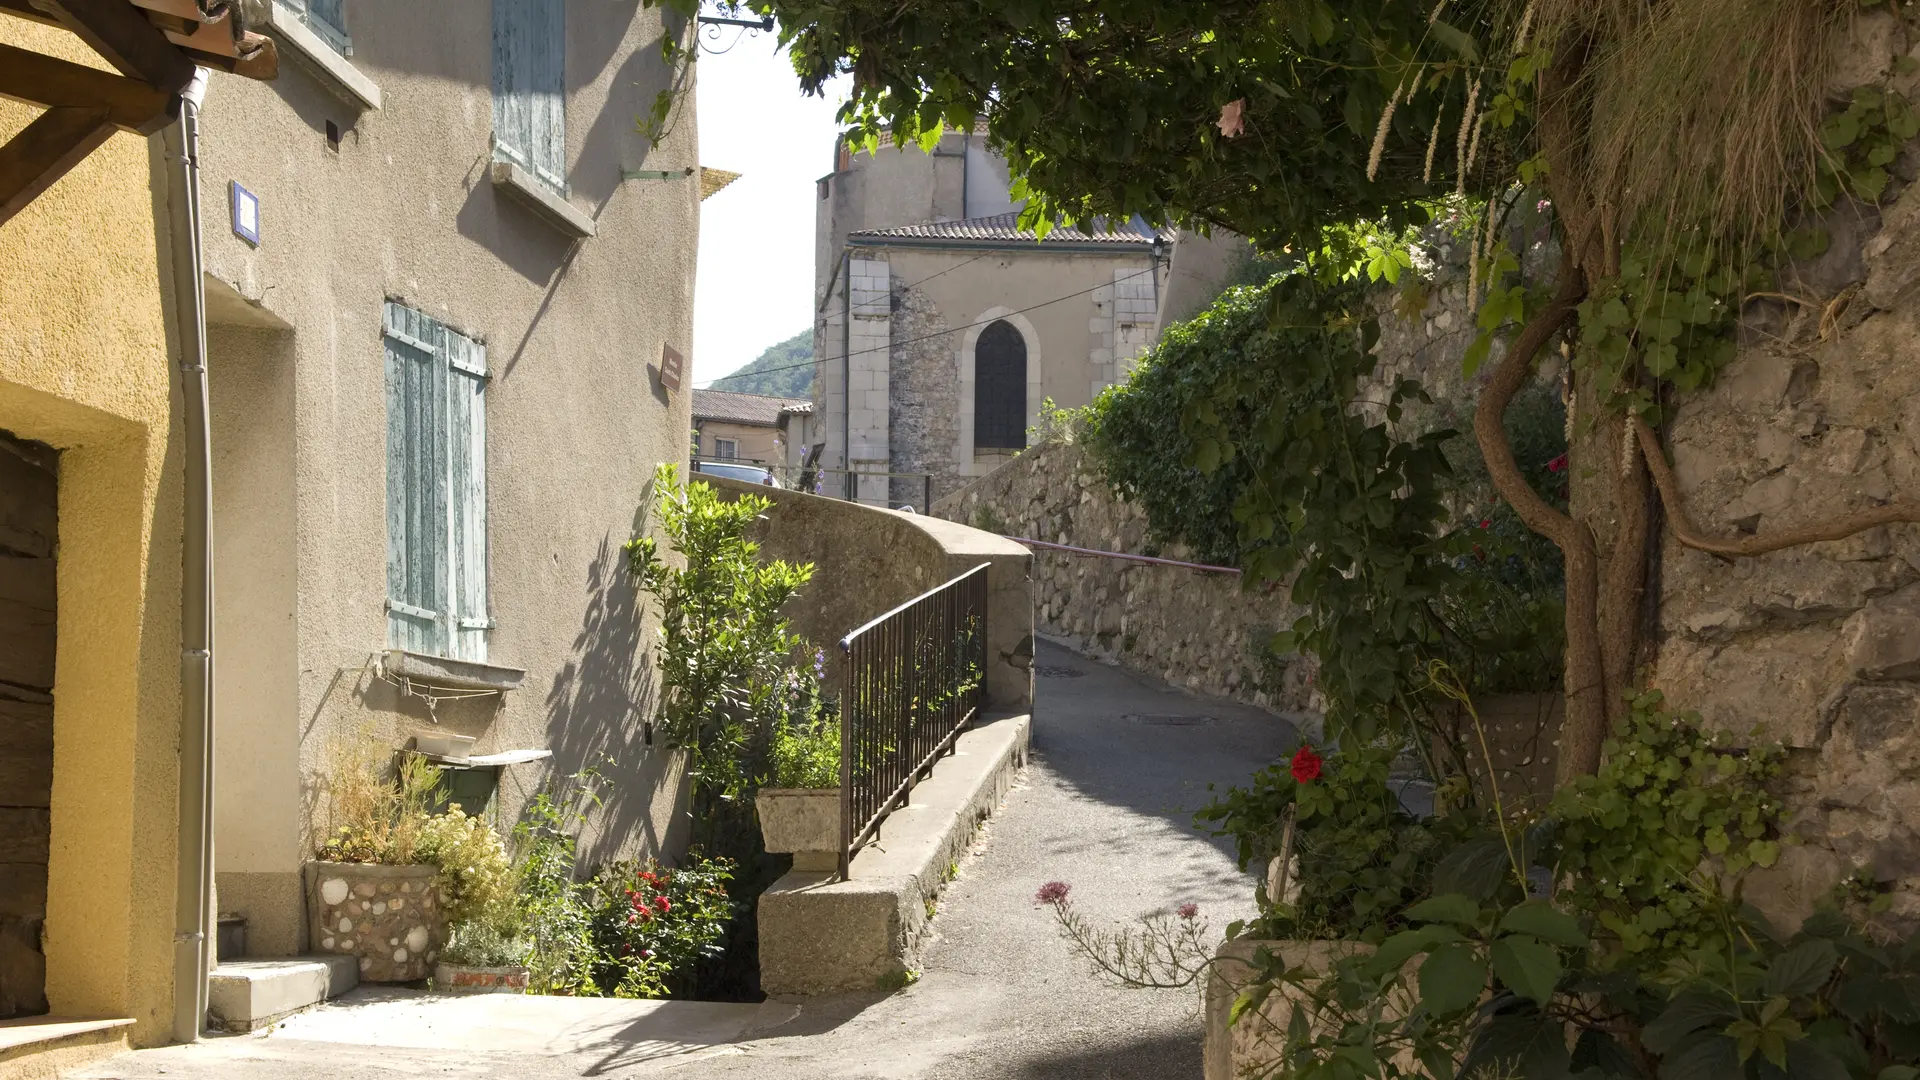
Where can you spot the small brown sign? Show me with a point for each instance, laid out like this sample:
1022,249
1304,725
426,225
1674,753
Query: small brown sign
670,368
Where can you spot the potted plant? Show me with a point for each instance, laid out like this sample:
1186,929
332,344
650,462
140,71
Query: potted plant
800,811
373,891
486,950
484,957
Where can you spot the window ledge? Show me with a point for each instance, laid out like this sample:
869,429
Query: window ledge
541,199
451,674
339,76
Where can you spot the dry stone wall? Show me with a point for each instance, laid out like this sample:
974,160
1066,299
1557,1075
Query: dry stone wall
1192,628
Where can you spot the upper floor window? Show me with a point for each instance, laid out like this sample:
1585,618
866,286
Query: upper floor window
325,19
529,87
436,488
1000,389
726,448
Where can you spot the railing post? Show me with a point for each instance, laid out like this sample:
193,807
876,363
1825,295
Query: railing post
847,724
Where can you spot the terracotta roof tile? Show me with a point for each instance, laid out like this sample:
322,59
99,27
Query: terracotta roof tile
1005,228
761,409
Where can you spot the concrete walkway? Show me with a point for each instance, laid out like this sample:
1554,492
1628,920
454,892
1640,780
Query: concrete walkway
1119,767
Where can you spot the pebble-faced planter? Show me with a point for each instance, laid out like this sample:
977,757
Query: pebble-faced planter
804,821
467,979
390,917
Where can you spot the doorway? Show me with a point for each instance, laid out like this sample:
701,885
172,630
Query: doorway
29,516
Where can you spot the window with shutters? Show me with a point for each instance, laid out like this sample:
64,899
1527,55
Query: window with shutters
529,88
325,19
1000,389
436,488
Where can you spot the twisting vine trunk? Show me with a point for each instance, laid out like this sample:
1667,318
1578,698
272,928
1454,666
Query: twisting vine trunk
1625,577
1585,724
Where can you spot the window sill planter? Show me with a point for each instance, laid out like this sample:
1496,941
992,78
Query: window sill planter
550,205
334,71
390,917
804,821
467,979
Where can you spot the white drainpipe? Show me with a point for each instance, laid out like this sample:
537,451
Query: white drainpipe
193,903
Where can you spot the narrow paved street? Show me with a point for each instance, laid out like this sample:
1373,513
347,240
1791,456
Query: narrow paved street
1119,767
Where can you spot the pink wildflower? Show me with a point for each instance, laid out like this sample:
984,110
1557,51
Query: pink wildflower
1053,892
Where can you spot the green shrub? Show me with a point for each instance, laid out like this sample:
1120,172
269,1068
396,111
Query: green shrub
477,880
480,943
1359,858
1642,845
726,652
653,926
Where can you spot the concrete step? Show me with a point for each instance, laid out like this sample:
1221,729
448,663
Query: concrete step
245,995
821,936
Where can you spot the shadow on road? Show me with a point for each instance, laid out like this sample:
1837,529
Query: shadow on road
1152,1058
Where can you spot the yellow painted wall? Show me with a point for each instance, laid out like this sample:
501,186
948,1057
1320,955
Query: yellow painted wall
85,367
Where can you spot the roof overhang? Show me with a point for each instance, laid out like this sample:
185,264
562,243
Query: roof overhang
155,45
1023,247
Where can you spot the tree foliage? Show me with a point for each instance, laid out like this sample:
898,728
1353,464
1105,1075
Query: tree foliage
1655,129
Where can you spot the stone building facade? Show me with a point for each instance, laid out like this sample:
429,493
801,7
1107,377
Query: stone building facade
924,271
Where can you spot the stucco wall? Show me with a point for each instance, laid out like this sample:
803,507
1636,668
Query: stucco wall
868,560
84,367
403,209
756,443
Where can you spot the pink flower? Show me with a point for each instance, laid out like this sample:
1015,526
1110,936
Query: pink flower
1053,892
1558,464
1306,764
1232,118
1187,910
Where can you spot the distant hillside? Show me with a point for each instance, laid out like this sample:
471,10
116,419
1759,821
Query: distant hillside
794,359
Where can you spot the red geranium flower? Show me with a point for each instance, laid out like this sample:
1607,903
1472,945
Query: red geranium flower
1306,764
1558,464
663,904
1486,523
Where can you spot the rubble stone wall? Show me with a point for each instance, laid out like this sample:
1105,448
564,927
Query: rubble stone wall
1195,629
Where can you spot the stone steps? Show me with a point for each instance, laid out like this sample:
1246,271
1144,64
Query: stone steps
246,995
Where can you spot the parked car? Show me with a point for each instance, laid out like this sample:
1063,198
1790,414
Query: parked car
733,470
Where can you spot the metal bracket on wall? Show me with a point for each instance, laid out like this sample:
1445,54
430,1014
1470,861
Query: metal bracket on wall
656,174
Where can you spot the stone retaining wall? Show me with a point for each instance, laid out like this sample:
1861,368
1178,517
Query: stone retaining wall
1194,629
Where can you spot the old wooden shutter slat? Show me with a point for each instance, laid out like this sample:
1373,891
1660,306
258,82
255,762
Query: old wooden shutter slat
467,383
417,611
512,77
548,92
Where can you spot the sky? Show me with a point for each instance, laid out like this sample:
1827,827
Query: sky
755,282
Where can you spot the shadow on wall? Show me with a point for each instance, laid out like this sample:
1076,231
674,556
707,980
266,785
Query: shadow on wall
597,710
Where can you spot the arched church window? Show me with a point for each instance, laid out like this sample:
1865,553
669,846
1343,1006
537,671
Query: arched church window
1000,389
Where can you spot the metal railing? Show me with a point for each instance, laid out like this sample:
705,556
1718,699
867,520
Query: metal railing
915,679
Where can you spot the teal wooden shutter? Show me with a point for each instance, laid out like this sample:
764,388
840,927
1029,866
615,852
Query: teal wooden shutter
417,609
436,488
529,87
467,482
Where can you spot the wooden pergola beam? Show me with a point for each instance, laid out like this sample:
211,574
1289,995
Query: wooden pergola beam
120,32
38,79
45,150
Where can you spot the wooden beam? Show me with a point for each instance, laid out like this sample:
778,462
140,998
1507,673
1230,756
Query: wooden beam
52,83
26,10
45,150
120,32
